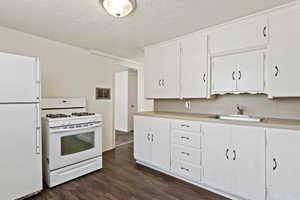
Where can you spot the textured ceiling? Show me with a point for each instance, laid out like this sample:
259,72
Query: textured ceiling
84,23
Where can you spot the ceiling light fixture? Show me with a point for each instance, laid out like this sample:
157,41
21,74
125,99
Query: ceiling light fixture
118,8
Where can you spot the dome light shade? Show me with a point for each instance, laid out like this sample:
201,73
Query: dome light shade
119,8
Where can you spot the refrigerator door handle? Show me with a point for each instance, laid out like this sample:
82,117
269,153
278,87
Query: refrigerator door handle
38,131
38,140
38,81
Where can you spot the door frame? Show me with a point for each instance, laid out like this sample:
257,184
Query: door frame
142,103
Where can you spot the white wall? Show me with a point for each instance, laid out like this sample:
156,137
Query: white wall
121,101
257,105
68,71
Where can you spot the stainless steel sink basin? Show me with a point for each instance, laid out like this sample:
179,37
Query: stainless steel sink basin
246,118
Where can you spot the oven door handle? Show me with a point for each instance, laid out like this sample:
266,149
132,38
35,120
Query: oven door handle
74,129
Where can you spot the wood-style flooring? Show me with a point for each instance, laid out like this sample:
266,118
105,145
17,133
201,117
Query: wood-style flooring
122,179
123,137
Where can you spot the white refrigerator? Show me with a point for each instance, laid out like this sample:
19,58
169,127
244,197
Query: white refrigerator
20,132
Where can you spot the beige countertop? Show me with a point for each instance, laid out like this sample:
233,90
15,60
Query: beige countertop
267,123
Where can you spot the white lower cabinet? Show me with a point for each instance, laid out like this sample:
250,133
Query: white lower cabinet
186,149
234,160
187,170
283,164
189,139
240,162
217,156
152,141
186,154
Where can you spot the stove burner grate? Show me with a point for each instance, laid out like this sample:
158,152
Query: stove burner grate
57,115
79,114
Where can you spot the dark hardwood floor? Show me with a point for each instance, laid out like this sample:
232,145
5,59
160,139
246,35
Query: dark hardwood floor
122,179
123,137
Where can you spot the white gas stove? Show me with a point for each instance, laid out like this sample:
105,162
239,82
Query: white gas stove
72,142
58,122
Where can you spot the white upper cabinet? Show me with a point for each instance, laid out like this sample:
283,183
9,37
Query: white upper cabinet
152,73
239,36
162,71
238,73
250,72
283,69
194,77
223,74
283,164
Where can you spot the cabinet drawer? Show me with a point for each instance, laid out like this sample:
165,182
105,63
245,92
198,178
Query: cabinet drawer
187,170
186,154
186,125
186,138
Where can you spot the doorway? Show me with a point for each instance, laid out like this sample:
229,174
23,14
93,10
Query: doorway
126,99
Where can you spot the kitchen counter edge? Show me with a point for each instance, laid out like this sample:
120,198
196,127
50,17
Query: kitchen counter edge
210,118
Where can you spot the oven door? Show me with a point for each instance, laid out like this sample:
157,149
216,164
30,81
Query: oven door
68,147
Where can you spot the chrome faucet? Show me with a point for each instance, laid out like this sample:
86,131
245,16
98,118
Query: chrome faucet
240,110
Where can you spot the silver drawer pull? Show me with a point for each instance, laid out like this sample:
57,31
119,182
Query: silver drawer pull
183,137
185,153
185,169
185,125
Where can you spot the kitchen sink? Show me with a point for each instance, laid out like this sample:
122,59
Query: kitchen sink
246,118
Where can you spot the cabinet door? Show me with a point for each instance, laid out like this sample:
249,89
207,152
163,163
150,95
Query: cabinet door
237,36
283,164
18,79
250,72
284,70
194,67
217,156
170,67
152,73
224,74
142,138
248,162
161,149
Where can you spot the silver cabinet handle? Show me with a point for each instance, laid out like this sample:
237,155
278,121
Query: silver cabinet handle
183,168
264,31
159,83
275,164
185,125
183,137
234,155
226,154
185,153
240,75
163,82
233,75
276,71
204,77
148,136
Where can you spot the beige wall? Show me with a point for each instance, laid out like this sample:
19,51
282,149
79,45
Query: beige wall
258,105
68,72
